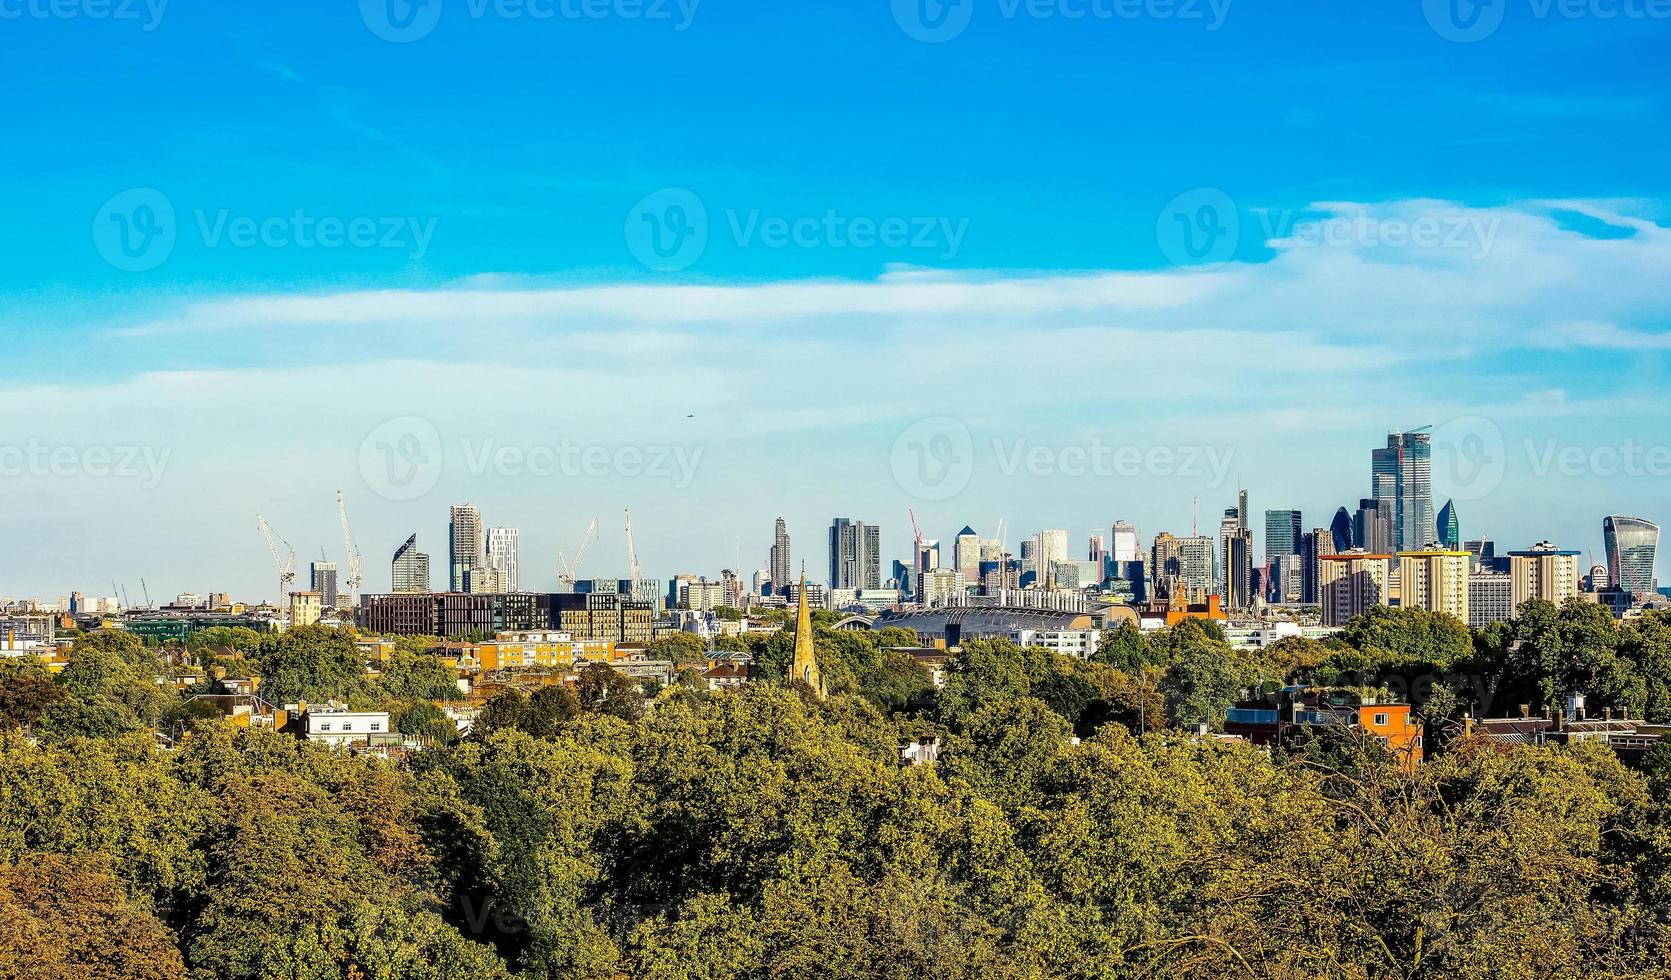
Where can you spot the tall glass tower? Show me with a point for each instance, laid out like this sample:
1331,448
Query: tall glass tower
1403,473
1632,546
1450,531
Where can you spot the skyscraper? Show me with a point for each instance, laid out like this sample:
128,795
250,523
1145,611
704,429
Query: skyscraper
780,557
503,554
1341,530
855,555
410,570
1372,526
1184,564
1051,547
1314,547
1632,547
1282,533
966,554
1228,527
1450,530
324,578
1403,473
1238,563
1282,542
465,552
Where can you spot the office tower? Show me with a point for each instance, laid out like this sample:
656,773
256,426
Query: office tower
1127,547
904,578
1403,473
1228,527
1282,533
780,557
855,555
1632,547
966,554
732,585
1434,580
1341,530
1313,548
464,547
763,581
1597,580
410,570
1051,547
1350,584
1184,564
942,586
1542,572
1449,530
1483,554
1373,528
1241,508
1239,579
323,575
1490,599
1096,550
503,553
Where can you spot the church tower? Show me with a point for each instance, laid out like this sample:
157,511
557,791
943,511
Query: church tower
805,666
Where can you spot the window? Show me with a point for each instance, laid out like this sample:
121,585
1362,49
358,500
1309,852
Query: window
324,726
376,726
1380,719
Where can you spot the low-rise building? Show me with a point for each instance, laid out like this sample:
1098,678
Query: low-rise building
337,726
1299,713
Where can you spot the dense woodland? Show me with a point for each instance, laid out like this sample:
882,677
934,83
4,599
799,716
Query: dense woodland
1073,827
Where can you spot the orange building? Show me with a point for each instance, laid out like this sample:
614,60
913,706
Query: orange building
1297,714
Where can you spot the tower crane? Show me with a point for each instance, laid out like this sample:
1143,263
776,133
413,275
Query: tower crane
286,565
632,554
353,553
565,569
917,558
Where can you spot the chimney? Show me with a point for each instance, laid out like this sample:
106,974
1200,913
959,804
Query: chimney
1525,711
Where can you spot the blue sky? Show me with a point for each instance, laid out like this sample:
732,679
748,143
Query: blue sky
1039,172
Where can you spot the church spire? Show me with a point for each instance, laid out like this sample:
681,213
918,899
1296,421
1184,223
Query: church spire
805,667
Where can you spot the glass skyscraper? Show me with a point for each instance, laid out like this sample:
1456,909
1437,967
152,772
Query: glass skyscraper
1632,547
1403,473
1450,530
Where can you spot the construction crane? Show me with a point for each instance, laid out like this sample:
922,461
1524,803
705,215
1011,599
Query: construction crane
286,565
632,554
146,589
566,570
353,553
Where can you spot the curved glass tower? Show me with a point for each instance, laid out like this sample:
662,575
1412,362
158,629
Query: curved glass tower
1341,530
1632,546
